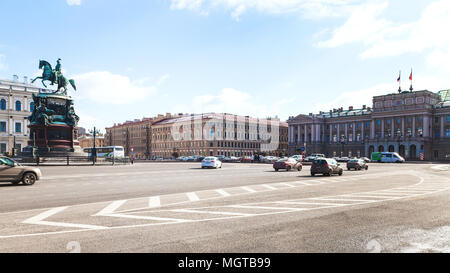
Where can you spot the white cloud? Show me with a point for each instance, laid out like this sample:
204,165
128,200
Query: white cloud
3,65
307,8
73,2
232,101
107,88
163,79
383,37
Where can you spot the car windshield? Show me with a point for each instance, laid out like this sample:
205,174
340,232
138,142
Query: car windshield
7,161
320,162
354,160
210,158
282,160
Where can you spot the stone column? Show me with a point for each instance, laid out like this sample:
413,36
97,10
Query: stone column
426,126
346,132
403,126
299,139
393,129
442,127
362,130
306,134
338,133
313,133
382,128
331,133
354,132
413,126
372,130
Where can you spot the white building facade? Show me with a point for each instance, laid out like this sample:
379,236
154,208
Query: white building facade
16,104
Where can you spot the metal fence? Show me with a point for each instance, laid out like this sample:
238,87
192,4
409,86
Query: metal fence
71,161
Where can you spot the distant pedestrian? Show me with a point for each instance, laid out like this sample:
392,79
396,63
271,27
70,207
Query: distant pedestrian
253,159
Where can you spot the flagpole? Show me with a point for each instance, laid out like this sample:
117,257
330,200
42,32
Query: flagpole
411,78
400,82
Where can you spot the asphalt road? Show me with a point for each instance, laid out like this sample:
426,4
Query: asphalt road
176,207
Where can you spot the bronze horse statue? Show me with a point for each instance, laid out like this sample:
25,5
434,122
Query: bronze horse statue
54,76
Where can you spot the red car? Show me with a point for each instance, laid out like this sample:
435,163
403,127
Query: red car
287,164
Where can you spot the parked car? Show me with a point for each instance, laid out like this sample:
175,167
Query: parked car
287,164
299,158
270,159
11,171
246,159
343,159
326,166
367,160
211,162
357,165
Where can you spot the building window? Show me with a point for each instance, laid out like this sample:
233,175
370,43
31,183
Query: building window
3,104
448,118
3,126
18,106
2,148
18,127
378,122
447,133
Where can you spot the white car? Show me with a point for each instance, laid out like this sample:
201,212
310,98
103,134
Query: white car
211,162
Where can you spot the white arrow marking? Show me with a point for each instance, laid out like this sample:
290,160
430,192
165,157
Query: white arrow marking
223,193
38,220
248,189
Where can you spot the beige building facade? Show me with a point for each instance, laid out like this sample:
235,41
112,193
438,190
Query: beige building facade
414,124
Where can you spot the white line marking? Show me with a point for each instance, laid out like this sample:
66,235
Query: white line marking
154,202
248,189
269,187
38,220
309,203
223,193
212,212
374,196
259,207
341,199
192,197
302,183
119,215
111,208
287,185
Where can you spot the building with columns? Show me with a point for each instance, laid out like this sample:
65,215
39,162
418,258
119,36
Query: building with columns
410,123
16,104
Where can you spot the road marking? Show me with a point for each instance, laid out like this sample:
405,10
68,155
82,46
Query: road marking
248,189
223,193
213,212
192,196
39,220
269,187
262,207
287,185
341,199
309,203
120,215
111,208
154,202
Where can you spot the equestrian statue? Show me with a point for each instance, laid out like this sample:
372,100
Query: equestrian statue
54,76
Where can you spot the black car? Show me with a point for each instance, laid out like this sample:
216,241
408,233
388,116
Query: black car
326,166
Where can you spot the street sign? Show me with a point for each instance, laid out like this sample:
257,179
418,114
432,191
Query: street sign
303,149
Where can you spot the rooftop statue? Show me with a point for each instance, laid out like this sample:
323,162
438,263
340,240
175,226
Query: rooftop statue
54,76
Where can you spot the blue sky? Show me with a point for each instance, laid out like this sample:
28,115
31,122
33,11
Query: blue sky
138,58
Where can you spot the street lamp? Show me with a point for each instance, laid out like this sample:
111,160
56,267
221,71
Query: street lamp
94,132
343,139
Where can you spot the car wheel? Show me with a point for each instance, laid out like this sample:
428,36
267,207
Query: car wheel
313,174
15,182
299,169
288,169
276,170
348,169
341,173
29,179
367,168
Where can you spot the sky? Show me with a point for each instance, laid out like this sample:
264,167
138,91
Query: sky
139,58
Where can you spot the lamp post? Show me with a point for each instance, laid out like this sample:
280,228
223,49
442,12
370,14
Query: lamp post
343,139
94,132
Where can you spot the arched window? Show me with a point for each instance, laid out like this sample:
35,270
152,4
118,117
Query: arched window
18,106
3,104
32,106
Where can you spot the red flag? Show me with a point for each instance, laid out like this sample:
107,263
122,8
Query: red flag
399,77
410,77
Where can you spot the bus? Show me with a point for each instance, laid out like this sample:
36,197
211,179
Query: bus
107,152
387,157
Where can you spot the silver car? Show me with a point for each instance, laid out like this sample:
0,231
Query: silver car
11,171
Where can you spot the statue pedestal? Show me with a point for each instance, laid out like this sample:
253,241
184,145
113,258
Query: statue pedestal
52,127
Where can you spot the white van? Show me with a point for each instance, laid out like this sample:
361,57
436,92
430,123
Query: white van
297,157
392,158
